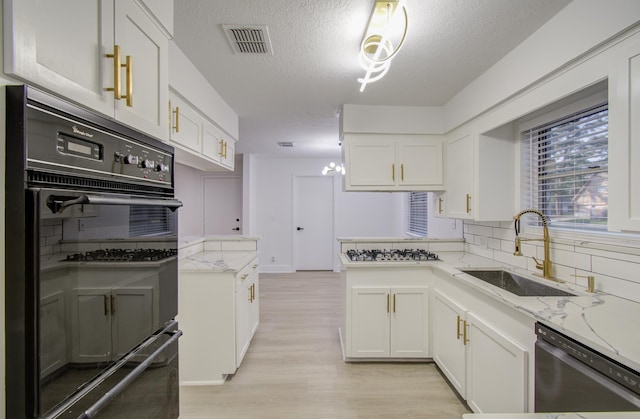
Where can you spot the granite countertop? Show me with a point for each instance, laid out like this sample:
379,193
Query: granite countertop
216,261
590,318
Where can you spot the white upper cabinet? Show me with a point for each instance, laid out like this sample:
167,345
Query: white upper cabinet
480,176
68,48
624,136
383,162
197,141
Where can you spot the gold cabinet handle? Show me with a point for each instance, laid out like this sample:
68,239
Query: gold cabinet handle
402,171
440,205
106,305
225,149
243,277
253,292
255,266
394,303
387,303
468,203
116,72
458,334
393,171
129,80
176,112
113,305
464,333
221,152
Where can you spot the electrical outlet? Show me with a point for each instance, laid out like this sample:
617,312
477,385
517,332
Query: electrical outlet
273,259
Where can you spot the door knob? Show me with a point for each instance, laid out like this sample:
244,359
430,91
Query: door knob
299,228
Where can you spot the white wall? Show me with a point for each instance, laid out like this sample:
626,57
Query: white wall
356,213
188,183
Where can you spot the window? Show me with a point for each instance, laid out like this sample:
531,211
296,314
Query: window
566,169
417,213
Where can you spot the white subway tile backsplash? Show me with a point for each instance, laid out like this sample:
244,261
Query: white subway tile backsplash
563,257
510,259
456,246
616,268
614,265
494,243
481,230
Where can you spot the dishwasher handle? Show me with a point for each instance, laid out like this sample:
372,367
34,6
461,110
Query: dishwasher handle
58,203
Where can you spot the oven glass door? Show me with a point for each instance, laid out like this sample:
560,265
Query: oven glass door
106,280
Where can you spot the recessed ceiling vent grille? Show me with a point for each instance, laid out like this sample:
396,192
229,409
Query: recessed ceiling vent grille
285,144
245,39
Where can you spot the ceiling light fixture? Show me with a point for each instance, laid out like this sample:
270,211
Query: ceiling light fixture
333,168
388,23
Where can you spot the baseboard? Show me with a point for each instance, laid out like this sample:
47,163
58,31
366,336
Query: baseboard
204,383
276,269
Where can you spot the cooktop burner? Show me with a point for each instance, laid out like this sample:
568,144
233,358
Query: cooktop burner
122,255
376,255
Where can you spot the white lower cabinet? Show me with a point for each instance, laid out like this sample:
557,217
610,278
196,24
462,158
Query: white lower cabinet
496,370
387,314
485,366
219,314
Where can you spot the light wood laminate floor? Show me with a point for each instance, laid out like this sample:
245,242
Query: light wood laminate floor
294,367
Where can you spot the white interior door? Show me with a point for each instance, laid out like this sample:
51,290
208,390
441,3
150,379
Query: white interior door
222,205
313,223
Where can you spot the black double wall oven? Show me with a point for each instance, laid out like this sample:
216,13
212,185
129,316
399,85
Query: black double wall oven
91,265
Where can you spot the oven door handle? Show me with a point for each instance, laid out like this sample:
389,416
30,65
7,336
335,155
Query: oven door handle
119,388
58,203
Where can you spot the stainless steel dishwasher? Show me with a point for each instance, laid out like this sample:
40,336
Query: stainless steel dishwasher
571,377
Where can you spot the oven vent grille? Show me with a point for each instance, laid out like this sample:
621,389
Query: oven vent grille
52,179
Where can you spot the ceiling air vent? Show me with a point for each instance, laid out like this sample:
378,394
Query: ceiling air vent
246,39
285,143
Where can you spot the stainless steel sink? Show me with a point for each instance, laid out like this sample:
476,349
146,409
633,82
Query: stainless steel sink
516,284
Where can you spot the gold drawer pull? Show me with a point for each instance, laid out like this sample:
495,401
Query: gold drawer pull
464,334
402,171
468,203
394,303
243,277
393,171
176,112
458,334
387,303
129,80
116,72
440,205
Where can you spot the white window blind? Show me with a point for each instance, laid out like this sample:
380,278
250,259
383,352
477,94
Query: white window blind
150,221
416,216
566,173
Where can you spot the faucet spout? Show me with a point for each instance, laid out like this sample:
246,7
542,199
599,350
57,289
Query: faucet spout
545,265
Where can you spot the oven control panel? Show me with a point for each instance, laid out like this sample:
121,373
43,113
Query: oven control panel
58,143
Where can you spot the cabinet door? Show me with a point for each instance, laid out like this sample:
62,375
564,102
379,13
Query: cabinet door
371,162
148,47
53,340
448,344
420,162
440,205
61,46
460,177
624,135
186,125
243,303
370,311
132,318
227,153
254,309
496,370
91,325
410,322
211,141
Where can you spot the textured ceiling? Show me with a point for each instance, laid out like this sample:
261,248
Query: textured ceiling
295,94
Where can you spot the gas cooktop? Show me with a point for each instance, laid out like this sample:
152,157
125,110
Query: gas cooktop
122,255
393,255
